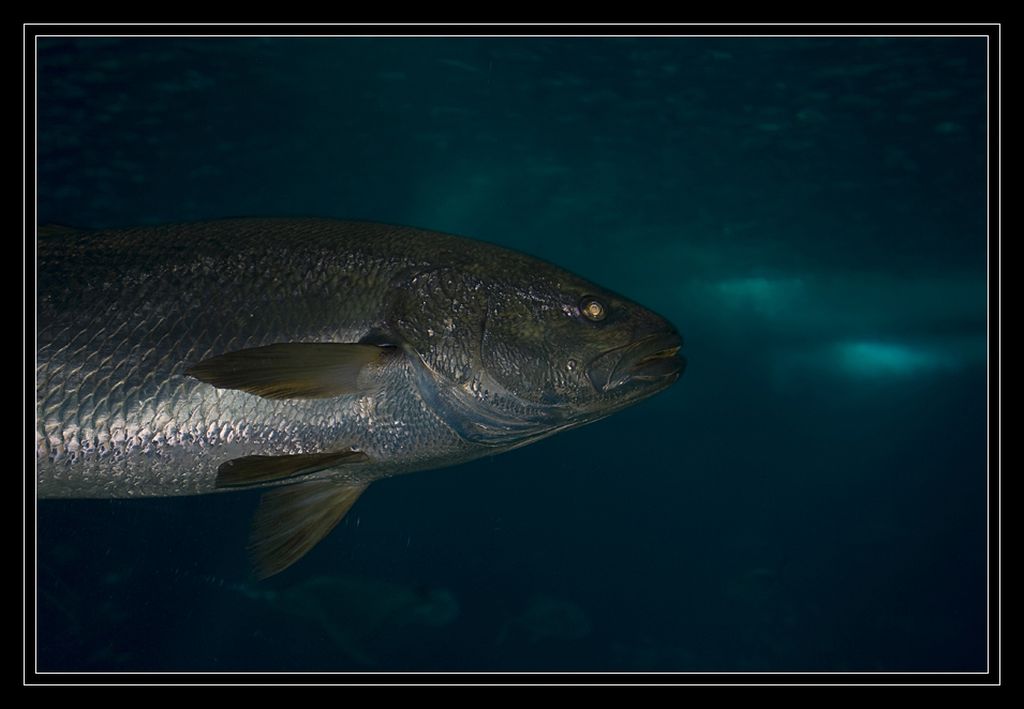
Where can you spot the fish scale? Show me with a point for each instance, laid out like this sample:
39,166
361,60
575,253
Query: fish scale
96,376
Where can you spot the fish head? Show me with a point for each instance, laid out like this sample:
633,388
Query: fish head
592,351
514,353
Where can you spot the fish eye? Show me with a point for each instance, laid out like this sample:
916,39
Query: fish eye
593,309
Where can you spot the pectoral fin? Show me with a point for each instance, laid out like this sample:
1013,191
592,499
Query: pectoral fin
258,469
292,519
292,370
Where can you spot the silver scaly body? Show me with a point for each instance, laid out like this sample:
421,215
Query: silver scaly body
121,315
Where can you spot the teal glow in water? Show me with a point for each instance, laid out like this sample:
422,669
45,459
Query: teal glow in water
771,297
873,359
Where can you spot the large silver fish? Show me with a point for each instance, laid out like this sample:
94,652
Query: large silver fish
313,356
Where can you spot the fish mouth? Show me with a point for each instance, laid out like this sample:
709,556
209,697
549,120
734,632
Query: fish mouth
654,359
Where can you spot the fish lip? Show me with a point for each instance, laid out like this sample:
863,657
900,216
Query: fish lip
651,359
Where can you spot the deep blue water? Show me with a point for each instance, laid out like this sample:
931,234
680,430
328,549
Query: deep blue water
811,495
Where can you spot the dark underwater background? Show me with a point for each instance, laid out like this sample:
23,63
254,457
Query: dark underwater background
811,214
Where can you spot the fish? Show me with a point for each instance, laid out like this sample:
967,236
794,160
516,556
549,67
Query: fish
309,358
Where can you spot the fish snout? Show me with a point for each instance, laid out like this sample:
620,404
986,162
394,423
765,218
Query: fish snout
653,359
